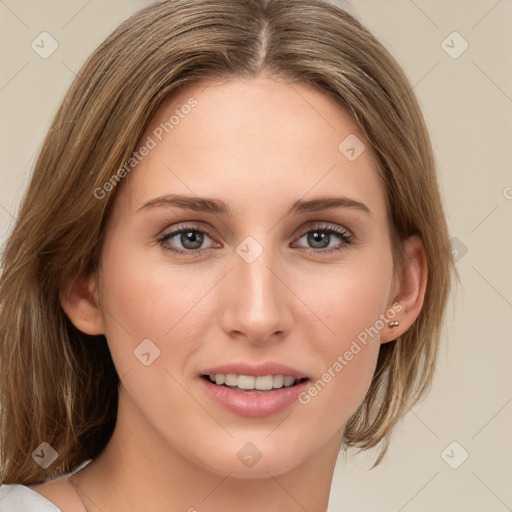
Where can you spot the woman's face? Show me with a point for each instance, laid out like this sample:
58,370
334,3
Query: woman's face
263,280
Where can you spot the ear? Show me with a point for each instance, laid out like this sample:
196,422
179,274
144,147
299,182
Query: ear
79,300
408,290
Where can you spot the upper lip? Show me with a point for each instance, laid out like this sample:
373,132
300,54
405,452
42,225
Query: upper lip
255,370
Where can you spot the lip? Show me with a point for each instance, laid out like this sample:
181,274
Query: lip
255,370
251,404
254,404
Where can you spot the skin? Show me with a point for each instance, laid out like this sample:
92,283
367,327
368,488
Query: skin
259,145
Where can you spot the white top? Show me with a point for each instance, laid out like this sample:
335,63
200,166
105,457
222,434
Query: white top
20,498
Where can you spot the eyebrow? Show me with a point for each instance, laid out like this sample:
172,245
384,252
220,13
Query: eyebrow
211,205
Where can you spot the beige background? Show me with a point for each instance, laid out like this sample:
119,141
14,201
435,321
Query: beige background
468,106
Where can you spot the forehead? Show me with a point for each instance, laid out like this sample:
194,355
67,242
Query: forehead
260,140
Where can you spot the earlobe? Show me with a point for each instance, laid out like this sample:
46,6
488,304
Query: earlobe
410,295
81,306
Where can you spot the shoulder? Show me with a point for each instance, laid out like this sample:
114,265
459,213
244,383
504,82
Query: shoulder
20,498
55,495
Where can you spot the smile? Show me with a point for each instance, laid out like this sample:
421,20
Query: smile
252,383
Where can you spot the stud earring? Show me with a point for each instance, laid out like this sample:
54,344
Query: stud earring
395,323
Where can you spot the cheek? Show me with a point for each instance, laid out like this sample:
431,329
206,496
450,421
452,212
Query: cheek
350,298
141,299
360,307
353,307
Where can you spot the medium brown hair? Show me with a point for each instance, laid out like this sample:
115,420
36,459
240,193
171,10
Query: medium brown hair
59,385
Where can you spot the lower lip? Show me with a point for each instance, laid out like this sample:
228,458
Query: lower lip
254,405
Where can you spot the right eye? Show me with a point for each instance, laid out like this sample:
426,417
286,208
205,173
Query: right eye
185,240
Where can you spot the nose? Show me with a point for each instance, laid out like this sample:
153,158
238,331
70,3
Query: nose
256,303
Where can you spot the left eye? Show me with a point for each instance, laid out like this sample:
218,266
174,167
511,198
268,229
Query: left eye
321,238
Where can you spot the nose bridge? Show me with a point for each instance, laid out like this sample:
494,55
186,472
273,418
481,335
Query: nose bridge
258,284
257,306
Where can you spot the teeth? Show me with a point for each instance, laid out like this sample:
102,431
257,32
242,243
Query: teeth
262,383
278,381
246,382
230,379
288,381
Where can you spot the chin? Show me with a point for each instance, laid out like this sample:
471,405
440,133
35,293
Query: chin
251,460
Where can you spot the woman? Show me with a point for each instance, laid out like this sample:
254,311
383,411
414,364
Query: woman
231,262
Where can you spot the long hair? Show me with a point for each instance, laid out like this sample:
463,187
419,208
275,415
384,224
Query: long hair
60,386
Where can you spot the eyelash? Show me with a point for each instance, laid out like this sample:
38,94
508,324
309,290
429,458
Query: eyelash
346,237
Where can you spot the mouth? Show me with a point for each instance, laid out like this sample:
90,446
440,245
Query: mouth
254,389
253,384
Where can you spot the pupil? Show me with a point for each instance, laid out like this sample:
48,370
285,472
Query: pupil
322,239
191,240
